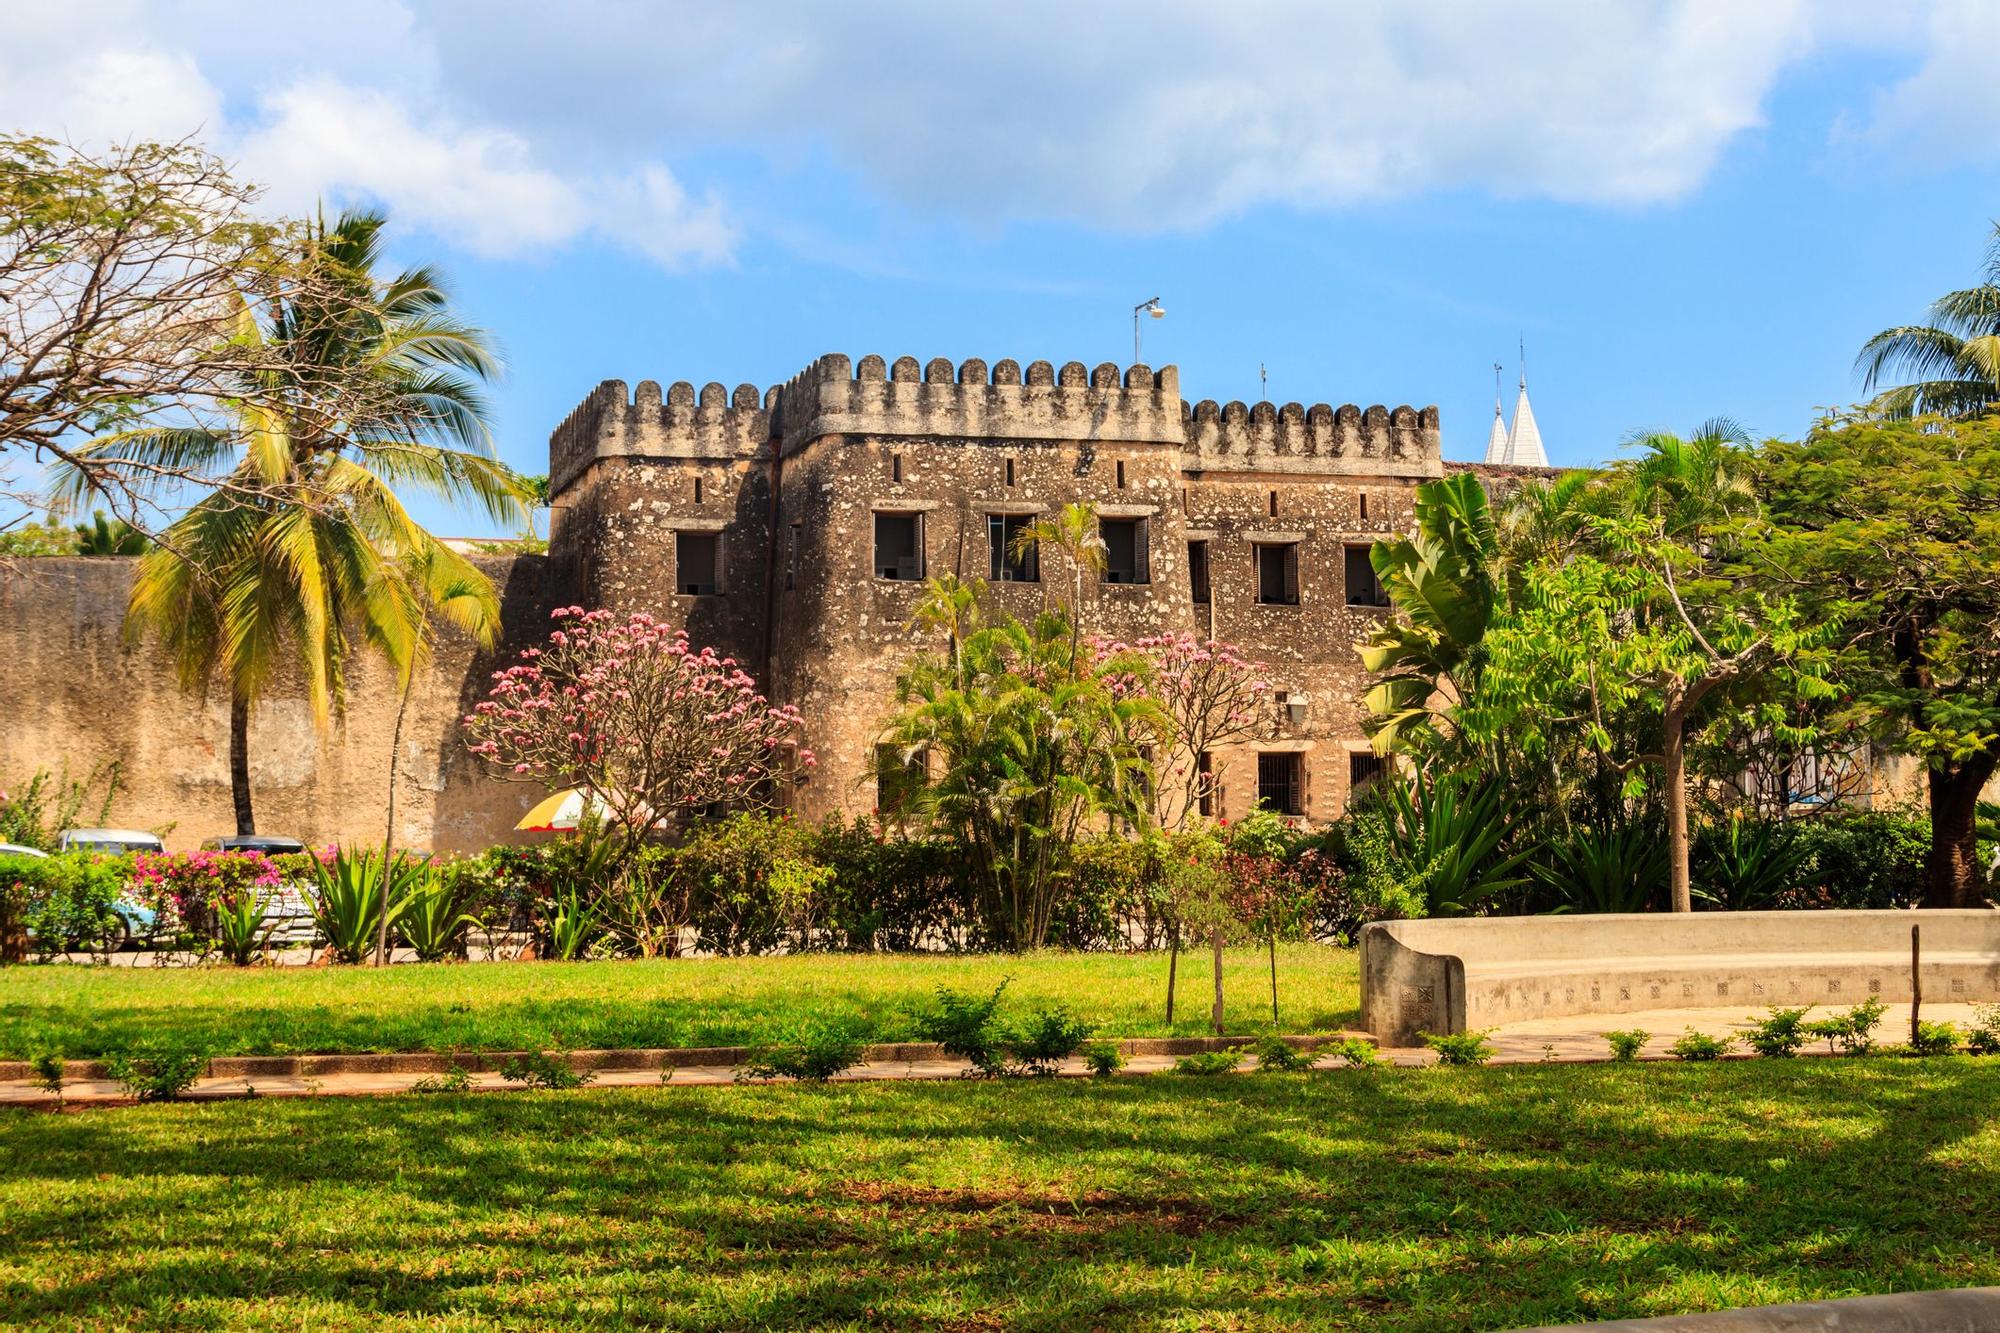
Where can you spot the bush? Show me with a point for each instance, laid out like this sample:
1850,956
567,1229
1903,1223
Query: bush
1627,1043
1356,1053
348,899
1850,1033
1935,1039
456,1078
436,913
156,1075
53,903
1779,1034
1693,1045
1612,870
1277,1056
47,1069
190,891
817,1052
38,810
1103,1058
547,1069
1746,865
1048,1039
1984,1038
964,1026
1205,1064
1460,1048
1860,858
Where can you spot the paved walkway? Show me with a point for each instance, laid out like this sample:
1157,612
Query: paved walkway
1562,1040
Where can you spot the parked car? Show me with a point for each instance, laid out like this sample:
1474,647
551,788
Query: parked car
289,912
109,841
135,921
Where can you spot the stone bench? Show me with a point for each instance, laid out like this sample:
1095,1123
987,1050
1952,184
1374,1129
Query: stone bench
1451,975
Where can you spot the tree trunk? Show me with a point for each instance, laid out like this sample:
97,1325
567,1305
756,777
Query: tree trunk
1173,965
1674,754
1952,873
389,832
239,763
1215,1015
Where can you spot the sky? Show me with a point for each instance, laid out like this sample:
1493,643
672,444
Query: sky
1684,209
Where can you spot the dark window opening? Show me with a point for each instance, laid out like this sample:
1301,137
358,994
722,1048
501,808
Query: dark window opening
697,561
1363,588
1121,474
1281,782
792,539
1125,550
1009,559
896,468
897,780
1274,504
1205,789
697,490
899,546
1010,472
1278,573
1364,769
1198,572
1364,506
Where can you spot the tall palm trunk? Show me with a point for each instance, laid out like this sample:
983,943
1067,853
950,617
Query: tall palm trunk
389,832
239,762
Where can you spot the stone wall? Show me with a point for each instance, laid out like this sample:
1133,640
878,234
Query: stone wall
73,690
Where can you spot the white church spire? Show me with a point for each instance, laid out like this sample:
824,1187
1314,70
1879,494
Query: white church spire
1496,439
1524,442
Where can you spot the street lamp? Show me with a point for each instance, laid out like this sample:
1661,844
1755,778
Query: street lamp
1153,308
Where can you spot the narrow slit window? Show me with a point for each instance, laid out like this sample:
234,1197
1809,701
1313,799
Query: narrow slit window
899,546
1277,573
1198,573
1010,559
697,490
1010,472
1125,550
1363,588
697,563
1364,506
896,468
1274,504
1121,474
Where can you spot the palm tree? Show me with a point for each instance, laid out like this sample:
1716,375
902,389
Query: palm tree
1953,361
303,540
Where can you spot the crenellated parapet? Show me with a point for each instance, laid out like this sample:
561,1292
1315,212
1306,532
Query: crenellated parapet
1321,439
712,425
873,397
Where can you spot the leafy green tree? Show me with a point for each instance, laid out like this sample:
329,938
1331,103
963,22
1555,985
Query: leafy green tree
1890,530
302,542
1953,361
109,536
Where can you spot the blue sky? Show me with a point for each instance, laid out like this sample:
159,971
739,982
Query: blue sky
1685,208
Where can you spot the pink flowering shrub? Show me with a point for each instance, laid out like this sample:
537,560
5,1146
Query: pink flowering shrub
1212,695
191,885
630,711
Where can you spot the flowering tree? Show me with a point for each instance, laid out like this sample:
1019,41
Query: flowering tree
1212,696
648,726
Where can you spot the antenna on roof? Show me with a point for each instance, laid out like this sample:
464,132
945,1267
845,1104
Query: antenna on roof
1497,368
1524,362
1263,382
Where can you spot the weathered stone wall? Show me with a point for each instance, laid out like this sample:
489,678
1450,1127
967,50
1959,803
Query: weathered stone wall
72,689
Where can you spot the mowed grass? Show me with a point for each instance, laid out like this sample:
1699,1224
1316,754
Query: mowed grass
1399,1199
82,1012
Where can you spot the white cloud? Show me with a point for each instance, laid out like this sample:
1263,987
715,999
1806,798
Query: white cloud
1946,112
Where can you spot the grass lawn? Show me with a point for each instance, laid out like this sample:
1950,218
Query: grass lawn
85,1011
1402,1199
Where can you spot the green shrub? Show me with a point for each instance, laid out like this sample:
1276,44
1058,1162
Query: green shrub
1850,1033
47,1068
1276,1055
1048,1039
551,1069
1627,1043
1935,1039
1746,864
348,898
1984,1036
35,813
1608,870
817,1052
156,1074
1103,1058
1779,1034
1356,1053
1208,1063
1693,1045
1460,1048
435,913
1860,859
49,904
455,1078
963,1024
240,932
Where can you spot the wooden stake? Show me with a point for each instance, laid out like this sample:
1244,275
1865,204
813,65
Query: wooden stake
1916,984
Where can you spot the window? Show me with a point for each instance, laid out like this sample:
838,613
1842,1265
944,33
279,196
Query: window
1005,564
697,490
1125,550
1364,506
1363,768
793,536
899,546
1121,474
1281,782
696,563
897,780
1274,504
1206,790
1010,472
1363,588
896,468
1198,572
1277,573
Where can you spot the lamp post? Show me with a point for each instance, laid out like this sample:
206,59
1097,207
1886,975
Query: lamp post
1153,308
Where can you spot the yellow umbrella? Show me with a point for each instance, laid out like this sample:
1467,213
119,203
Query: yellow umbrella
562,812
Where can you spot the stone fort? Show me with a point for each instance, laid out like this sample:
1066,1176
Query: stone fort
792,528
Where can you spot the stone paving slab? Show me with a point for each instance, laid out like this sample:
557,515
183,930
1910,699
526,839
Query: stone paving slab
1569,1040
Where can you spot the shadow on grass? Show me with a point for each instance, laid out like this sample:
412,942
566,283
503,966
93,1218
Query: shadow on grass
1404,1199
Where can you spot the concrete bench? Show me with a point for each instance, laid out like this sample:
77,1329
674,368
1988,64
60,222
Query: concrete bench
1463,973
